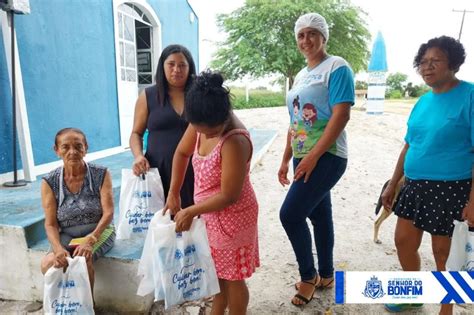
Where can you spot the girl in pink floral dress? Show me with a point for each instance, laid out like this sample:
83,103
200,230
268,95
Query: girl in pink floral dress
221,151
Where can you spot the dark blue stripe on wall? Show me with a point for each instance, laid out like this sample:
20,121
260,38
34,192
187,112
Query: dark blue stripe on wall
377,84
339,290
376,99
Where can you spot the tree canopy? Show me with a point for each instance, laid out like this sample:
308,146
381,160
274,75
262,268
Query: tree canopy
261,39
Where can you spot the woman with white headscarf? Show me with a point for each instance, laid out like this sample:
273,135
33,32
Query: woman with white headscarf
319,105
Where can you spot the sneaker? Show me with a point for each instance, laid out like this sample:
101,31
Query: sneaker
397,308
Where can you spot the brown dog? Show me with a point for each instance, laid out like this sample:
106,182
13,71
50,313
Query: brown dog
386,212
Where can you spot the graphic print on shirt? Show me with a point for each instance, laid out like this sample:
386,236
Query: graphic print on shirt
296,109
305,129
309,115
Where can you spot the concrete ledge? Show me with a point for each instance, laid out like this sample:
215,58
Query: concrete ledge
23,242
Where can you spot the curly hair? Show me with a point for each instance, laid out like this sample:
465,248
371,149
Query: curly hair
207,101
453,49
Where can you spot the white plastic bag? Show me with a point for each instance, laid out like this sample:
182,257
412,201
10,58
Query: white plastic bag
461,254
182,264
145,266
140,198
68,292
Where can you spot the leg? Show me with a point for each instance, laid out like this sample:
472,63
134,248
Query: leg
384,215
323,231
47,262
219,302
238,297
90,271
441,245
407,240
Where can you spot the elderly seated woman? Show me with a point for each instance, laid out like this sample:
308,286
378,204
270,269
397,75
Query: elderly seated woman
78,203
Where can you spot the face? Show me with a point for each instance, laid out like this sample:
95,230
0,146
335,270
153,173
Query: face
176,68
308,113
310,42
71,147
210,132
434,68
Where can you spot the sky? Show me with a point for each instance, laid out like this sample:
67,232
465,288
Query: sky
405,25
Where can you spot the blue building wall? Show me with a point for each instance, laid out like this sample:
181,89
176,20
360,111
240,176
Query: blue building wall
68,64
176,25
6,161
67,57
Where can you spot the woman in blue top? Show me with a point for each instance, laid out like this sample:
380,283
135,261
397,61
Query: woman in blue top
437,160
319,106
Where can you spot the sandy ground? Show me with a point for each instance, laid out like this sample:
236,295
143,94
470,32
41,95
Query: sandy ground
374,145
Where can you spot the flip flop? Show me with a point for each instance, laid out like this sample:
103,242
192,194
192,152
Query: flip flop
303,298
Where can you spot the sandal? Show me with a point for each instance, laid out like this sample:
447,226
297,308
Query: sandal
328,285
319,283
304,299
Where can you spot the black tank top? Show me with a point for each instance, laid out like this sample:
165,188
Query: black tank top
165,130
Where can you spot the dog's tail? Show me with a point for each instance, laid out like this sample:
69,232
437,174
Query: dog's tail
379,202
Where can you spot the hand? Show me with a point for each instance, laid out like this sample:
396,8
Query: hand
183,219
305,167
468,213
173,203
388,195
140,165
60,260
283,174
85,249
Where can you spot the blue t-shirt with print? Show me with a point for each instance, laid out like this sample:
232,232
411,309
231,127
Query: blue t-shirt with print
311,100
440,135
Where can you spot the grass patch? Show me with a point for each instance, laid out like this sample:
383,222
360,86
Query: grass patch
257,98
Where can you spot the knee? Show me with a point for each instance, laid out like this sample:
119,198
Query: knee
289,214
404,242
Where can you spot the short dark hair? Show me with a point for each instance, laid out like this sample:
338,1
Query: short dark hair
160,78
453,49
69,129
207,101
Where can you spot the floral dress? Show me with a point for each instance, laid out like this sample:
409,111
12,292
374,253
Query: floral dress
232,231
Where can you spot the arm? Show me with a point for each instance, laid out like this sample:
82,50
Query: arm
51,225
107,202
336,124
180,163
389,192
468,211
235,152
140,164
287,154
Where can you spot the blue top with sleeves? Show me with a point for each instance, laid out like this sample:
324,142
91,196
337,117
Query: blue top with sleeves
440,135
311,100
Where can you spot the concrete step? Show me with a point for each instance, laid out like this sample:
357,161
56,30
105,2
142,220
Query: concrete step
24,242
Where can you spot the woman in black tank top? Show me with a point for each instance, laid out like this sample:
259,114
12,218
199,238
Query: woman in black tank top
160,110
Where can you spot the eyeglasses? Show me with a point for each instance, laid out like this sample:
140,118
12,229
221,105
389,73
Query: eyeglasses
430,62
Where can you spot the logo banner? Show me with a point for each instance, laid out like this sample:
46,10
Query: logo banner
404,287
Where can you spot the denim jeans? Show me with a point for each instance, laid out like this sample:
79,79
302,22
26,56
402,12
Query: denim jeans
313,200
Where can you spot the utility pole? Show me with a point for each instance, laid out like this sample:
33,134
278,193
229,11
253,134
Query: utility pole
462,21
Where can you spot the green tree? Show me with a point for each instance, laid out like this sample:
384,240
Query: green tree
261,39
416,90
361,85
395,82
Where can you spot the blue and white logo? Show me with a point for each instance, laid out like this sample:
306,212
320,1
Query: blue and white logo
373,288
